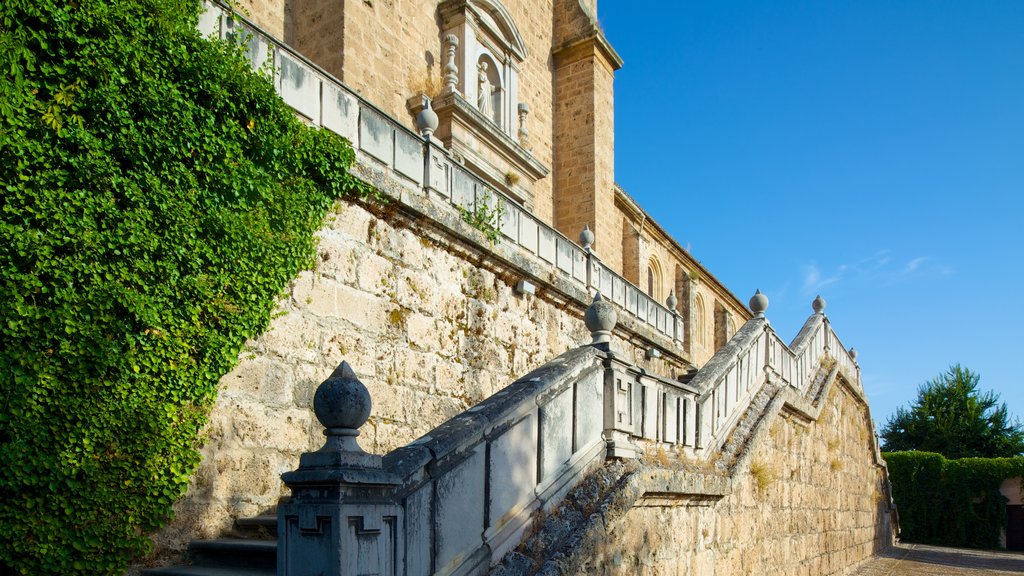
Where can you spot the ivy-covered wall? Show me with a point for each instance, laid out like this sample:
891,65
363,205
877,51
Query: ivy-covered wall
950,502
156,197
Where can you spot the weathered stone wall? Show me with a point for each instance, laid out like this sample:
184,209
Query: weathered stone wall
808,502
432,325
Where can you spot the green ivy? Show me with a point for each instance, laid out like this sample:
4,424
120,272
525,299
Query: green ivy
950,502
156,198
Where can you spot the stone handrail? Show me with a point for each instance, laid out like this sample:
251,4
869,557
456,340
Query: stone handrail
456,500
424,167
459,498
738,370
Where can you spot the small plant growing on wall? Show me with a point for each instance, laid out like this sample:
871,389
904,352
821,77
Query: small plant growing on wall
486,218
763,476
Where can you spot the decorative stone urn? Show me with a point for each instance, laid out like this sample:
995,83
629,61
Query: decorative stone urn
600,319
426,120
758,304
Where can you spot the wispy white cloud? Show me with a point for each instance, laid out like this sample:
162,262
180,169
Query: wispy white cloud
881,267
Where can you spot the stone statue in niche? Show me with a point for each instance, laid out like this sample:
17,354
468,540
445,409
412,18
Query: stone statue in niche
484,92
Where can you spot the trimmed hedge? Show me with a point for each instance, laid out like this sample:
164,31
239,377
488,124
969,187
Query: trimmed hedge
950,502
157,196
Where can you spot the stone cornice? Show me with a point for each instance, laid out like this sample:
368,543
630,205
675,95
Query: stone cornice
594,44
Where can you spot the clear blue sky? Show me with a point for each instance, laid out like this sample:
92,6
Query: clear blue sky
871,151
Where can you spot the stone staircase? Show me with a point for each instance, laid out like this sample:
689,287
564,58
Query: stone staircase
252,552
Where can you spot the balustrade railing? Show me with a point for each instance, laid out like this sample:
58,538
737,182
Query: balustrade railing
456,500
426,167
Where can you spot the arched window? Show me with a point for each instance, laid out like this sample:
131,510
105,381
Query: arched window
654,280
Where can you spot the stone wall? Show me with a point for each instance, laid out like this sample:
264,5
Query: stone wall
428,318
809,500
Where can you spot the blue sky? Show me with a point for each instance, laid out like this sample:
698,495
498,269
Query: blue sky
870,151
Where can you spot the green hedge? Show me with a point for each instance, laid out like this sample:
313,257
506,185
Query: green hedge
950,502
156,198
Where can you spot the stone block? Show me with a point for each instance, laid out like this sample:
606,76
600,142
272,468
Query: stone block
340,112
509,223
409,156
253,425
641,306
619,291
512,471
261,53
210,20
631,299
299,86
459,500
555,434
564,258
377,276
438,169
546,244
463,188
579,264
419,536
262,379
528,233
589,410
376,135
336,256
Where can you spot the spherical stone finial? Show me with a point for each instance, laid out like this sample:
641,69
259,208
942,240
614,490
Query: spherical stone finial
586,237
600,319
819,305
426,120
853,354
342,403
758,304
671,301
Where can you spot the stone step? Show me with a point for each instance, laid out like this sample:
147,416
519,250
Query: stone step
262,527
234,552
209,571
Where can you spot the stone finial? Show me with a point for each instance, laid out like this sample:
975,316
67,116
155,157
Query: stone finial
819,305
342,404
586,237
758,304
600,319
426,120
451,70
853,354
671,301
524,134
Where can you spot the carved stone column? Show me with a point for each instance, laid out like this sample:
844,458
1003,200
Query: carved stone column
341,519
451,70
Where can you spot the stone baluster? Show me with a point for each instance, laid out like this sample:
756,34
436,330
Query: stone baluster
671,302
341,519
451,70
586,241
524,134
621,382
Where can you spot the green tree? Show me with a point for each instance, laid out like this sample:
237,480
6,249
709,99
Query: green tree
952,417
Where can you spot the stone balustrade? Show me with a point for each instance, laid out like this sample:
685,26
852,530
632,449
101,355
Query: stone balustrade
427,169
756,354
459,498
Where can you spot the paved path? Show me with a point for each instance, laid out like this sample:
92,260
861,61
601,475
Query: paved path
921,560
